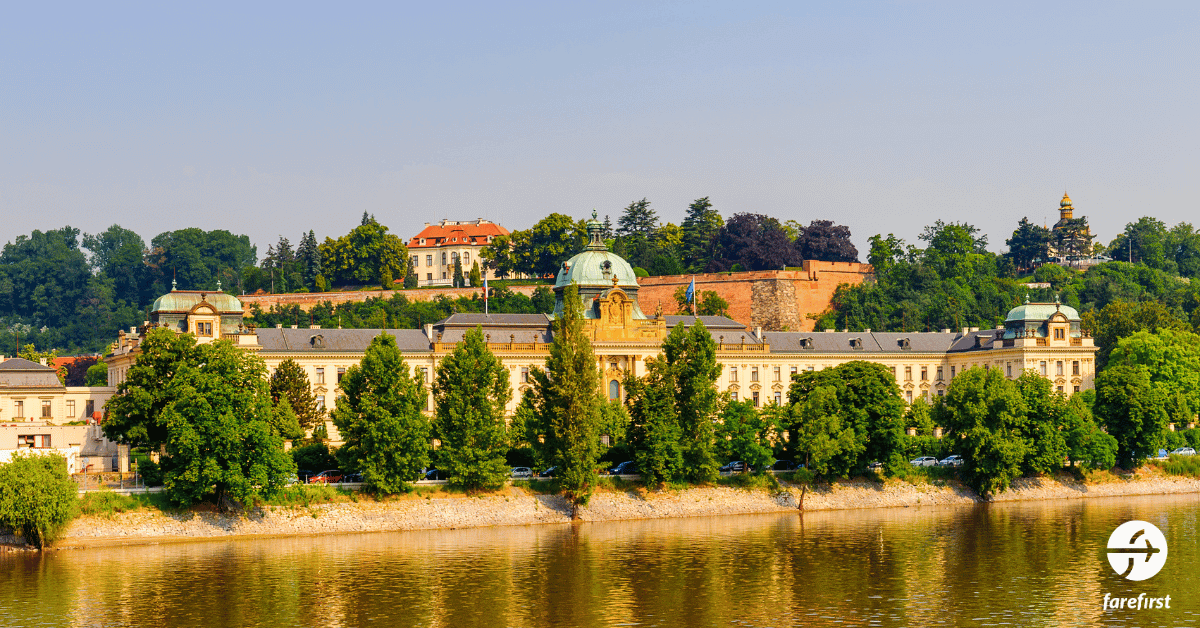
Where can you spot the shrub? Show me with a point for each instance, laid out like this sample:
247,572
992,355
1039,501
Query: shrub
37,497
107,504
1181,465
314,457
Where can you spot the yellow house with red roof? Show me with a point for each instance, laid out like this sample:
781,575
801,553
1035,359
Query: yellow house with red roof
439,245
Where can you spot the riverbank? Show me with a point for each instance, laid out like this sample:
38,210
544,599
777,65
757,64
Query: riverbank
515,505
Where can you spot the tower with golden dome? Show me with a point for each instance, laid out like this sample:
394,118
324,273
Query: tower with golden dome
1071,237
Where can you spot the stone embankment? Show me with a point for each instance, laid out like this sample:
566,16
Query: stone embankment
516,506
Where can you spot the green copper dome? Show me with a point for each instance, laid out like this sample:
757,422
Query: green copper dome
596,266
1040,312
185,300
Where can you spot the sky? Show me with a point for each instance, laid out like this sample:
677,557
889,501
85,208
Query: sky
271,119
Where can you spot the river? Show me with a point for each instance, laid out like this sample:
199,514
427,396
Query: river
1017,564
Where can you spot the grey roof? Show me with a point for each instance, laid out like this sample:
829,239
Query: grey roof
472,319
499,334
21,364
21,373
274,339
710,322
873,342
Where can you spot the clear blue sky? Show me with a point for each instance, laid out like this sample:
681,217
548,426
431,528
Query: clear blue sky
274,118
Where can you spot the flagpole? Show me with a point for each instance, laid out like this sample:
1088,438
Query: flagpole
485,295
693,296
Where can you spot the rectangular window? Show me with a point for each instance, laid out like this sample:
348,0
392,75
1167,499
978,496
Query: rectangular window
203,329
951,372
429,260
908,396
70,408
45,408
733,396
755,396
1058,368
1076,389
320,402
1075,368
428,276
341,373
794,369
941,393
778,373
924,373
25,440
1060,389
320,379
443,275
733,374
939,374
524,374
778,399
415,260
443,259
89,408
754,374
1008,366
1045,373
425,373
908,373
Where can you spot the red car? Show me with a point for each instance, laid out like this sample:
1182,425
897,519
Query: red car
333,476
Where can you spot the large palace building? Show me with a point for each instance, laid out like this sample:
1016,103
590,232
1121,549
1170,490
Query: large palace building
1041,337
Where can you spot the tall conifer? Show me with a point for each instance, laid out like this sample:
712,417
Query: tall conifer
471,392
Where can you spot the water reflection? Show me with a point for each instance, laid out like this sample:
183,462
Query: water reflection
1033,564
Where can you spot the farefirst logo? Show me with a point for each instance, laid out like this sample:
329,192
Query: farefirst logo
1137,551
1125,552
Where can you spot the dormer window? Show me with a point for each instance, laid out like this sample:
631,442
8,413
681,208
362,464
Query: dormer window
317,341
905,345
856,344
806,343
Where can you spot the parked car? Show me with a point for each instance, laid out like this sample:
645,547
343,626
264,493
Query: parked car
352,477
953,460
1183,451
628,467
924,461
522,473
433,473
737,466
304,474
1162,455
548,473
783,465
332,476
875,465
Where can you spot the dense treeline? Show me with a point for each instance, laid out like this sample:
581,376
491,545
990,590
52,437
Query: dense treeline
71,291
703,242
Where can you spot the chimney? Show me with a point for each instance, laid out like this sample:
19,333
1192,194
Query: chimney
866,330
945,330
42,361
965,330
314,326
758,332
829,330
294,326
429,330
278,325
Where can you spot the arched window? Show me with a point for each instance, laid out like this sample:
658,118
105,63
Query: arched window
614,390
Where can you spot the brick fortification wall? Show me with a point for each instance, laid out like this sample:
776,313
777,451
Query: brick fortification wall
308,299
773,299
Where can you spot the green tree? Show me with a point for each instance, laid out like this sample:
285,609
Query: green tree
654,423
746,434
476,276
708,303
1028,244
1172,358
988,416
97,375
638,218
37,497
470,394
194,258
363,255
1145,241
692,352
289,383
410,275
1132,410
119,254
1044,424
459,280
1087,445
208,407
700,227
308,257
379,417
566,403
542,249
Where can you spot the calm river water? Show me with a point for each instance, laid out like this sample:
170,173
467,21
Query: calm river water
1028,564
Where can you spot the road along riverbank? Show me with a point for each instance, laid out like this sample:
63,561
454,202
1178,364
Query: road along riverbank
516,505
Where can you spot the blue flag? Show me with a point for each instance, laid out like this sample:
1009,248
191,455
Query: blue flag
691,291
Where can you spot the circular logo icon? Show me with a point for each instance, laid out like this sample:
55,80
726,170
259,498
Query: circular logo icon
1137,550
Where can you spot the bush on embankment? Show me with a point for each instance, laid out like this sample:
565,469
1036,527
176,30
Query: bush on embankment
37,497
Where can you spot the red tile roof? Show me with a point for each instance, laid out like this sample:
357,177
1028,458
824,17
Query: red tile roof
441,235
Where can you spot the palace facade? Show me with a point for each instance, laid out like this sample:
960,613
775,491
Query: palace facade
1041,337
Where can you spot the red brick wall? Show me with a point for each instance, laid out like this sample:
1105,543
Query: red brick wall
773,299
307,300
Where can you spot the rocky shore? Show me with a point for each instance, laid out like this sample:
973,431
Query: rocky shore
516,506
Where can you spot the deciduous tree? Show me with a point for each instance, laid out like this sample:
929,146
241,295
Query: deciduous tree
379,418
